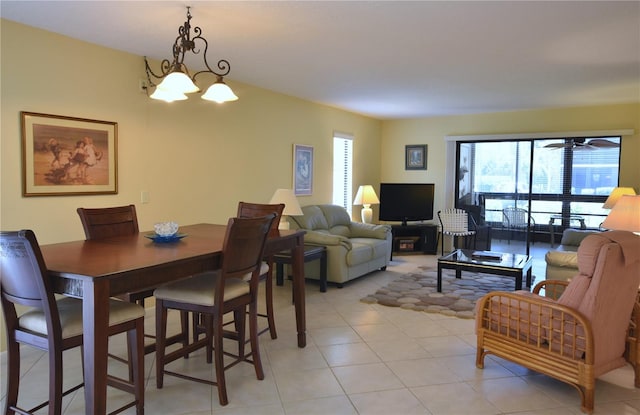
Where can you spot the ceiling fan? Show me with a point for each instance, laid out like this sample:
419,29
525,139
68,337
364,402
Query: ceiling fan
584,144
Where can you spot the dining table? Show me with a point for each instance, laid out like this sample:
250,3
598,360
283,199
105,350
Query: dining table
95,270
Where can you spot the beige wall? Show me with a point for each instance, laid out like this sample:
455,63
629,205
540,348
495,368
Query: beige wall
198,159
432,131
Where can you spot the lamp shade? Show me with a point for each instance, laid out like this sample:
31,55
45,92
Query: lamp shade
219,92
291,205
167,96
178,82
625,215
366,196
616,194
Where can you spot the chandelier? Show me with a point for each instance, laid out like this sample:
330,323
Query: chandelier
176,81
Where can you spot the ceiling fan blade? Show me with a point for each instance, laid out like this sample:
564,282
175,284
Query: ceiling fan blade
599,142
587,147
557,145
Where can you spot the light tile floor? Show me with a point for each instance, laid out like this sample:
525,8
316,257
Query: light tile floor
360,359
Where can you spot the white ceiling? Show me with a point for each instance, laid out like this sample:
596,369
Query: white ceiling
385,59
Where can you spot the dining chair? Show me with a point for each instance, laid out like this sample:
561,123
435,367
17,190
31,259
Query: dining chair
100,223
214,294
253,210
456,222
55,325
516,219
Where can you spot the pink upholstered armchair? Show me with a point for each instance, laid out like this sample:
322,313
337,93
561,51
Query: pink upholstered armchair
583,333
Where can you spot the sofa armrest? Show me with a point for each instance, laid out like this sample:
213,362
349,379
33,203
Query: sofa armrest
368,230
567,259
326,239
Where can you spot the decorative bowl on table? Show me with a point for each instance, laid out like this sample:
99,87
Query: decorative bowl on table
166,232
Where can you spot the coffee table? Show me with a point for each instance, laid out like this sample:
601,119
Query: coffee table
497,263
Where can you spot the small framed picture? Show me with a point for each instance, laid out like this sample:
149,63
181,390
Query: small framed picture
64,156
416,157
302,170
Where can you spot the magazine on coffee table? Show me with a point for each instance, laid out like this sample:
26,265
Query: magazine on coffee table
486,255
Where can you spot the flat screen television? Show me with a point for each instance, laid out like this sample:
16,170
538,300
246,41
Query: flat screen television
404,202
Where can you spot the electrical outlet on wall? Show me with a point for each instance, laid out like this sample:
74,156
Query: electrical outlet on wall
144,86
145,197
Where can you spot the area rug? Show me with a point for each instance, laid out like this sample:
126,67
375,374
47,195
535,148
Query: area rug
417,291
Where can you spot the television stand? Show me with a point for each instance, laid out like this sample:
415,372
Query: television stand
421,238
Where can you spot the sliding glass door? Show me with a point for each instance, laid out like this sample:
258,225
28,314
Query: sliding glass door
530,190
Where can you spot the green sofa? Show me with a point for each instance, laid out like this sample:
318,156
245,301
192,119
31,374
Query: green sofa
353,248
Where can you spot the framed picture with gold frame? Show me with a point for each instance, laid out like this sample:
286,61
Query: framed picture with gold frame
65,156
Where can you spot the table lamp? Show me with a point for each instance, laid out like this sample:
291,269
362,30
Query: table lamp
616,194
291,206
625,215
366,196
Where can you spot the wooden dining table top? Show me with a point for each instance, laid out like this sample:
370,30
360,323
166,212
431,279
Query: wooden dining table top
101,258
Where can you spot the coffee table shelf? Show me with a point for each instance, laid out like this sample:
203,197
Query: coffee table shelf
510,265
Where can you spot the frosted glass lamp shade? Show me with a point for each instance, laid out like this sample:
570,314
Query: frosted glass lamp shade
219,92
167,96
178,82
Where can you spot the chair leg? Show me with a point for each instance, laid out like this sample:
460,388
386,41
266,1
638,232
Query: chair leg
253,337
161,336
207,321
219,359
239,319
13,374
269,298
55,381
135,341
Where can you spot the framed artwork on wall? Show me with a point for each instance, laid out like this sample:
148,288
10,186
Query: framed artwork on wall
302,170
65,156
415,157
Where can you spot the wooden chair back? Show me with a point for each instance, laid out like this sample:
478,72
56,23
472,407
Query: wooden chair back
255,210
24,278
244,245
101,223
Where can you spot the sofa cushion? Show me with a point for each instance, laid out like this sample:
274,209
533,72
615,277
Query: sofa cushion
359,253
378,247
573,237
335,216
312,219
